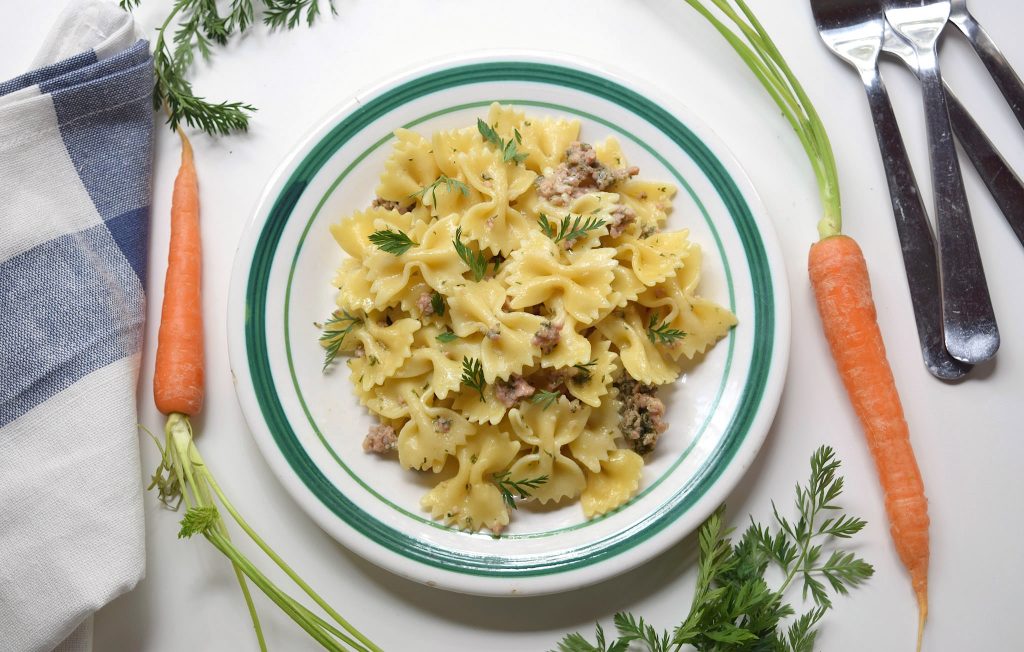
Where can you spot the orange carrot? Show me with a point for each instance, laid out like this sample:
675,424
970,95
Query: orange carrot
842,288
840,280
178,383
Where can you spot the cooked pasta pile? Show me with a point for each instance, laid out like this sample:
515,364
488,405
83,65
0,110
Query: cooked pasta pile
510,304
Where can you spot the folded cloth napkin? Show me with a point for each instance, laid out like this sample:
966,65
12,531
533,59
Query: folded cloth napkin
75,178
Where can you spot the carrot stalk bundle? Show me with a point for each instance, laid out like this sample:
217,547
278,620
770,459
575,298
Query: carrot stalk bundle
178,389
839,277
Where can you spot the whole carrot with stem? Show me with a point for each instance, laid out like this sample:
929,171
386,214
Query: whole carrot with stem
178,389
839,277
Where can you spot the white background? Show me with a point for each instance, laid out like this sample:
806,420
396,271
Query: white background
967,436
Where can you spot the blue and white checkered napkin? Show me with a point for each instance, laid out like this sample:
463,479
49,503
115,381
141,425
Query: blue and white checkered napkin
75,149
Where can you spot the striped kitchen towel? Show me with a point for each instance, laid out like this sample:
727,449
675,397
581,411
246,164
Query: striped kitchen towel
75,173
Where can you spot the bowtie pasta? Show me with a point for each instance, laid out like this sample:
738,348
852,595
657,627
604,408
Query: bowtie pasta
510,305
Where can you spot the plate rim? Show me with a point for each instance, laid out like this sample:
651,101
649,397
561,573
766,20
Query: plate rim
556,581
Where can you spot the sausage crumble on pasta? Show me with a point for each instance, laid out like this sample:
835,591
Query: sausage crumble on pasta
510,305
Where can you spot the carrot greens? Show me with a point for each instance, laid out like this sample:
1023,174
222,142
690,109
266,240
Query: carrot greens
752,43
734,608
196,26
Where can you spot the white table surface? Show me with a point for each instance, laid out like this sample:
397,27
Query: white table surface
967,435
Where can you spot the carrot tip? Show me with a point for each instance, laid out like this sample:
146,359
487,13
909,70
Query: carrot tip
922,615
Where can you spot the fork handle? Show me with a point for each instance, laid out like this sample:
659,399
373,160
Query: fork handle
915,233
1003,183
969,322
1002,72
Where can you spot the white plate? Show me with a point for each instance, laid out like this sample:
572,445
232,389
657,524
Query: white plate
310,426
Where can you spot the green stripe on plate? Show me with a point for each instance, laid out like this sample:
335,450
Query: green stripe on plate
484,564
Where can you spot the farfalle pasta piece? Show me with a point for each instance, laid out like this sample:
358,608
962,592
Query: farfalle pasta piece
704,321
543,140
381,349
540,271
613,485
387,400
507,343
492,221
431,360
547,429
354,293
471,500
431,434
433,260
410,167
489,410
572,348
353,232
590,381
626,287
449,145
641,358
655,258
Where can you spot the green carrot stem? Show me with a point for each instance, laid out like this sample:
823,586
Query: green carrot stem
180,444
285,567
831,192
757,67
272,591
767,64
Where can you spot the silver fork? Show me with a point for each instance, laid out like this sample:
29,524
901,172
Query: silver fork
853,30
1006,79
969,323
1002,182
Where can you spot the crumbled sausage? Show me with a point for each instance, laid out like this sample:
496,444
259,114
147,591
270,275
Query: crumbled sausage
380,439
621,217
442,424
643,414
579,174
425,304
494,333
550,380
390,205
510,391
547,338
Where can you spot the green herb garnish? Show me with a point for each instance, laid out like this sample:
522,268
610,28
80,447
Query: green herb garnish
546,226
569,230
392,242
473,375
437,304
477,262
733,606
199,27
584,371
450,184
334,332
662,334
545,399
521,487
508,149
446,337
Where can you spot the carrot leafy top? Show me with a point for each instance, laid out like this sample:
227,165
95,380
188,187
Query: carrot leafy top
755,47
